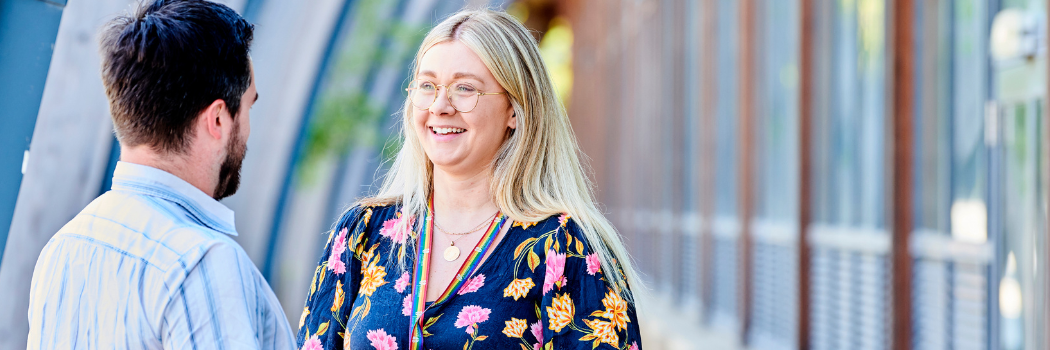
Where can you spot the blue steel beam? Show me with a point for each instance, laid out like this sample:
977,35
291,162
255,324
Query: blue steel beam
28,29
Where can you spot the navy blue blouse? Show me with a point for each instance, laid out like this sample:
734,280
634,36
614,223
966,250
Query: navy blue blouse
542,288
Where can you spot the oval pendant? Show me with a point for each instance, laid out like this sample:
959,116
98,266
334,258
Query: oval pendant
451,253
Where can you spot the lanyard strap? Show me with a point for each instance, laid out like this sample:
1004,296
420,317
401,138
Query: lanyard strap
422,269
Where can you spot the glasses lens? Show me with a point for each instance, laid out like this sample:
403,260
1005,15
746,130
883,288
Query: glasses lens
464,97
422,93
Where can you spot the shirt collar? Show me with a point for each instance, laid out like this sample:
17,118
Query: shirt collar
160,183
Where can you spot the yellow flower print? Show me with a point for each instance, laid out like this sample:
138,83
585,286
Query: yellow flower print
518,288
561,313
604,332
367,216
337,302
366,256
615,310
302,319
373,278
524,224
515,328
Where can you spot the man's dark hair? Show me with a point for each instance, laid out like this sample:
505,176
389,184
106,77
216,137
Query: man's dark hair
167,63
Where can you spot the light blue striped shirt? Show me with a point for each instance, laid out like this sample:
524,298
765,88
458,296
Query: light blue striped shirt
150,265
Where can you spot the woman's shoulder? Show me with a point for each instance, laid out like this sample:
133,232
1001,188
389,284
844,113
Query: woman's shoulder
364,217
559,231
556,224
548,224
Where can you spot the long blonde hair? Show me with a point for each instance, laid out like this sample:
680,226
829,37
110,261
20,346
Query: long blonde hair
537,171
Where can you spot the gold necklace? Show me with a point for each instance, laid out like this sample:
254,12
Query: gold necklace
452,252
475,229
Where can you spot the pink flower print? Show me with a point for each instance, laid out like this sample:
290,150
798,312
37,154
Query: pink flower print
381,341
593,265
335,263
470,316
312,344
401,283
398,228
340,243
406,306
563,219
634,346
473,284
555,271
537,331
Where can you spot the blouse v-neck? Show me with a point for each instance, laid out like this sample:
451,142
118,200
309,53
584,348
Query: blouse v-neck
482,266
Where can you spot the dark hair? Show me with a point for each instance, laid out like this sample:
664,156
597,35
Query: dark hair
167,63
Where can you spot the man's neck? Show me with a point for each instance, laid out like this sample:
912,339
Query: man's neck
199,175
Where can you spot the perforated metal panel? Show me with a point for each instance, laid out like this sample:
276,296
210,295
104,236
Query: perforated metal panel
930,300
724,284
849,300
774,315
969,305
690,267
822,293
950,287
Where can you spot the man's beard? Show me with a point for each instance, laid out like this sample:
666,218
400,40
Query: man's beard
230,170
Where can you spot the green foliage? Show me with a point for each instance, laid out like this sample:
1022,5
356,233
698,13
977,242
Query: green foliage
345,115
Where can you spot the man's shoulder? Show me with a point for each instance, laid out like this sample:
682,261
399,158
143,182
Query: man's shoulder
149,228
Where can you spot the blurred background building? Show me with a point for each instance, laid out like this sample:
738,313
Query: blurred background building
789,174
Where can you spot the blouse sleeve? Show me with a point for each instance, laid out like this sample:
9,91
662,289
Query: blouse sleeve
579,309
334,283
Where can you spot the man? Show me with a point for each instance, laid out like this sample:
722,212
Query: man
150,264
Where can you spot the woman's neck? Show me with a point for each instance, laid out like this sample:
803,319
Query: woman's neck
460,200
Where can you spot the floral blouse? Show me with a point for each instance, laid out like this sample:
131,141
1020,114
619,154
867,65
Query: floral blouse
541,288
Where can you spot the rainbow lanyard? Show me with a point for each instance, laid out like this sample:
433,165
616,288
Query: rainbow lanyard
422,270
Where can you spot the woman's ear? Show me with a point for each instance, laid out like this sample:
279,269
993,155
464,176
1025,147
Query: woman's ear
513,121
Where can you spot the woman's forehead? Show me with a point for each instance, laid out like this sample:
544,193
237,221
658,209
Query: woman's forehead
453,60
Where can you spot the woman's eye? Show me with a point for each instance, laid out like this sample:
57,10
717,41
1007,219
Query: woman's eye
427,86
464,89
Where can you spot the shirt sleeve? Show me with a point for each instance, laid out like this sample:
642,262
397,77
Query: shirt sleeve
217,305
334,286
579,308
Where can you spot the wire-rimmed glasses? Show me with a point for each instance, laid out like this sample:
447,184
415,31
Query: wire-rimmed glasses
462,96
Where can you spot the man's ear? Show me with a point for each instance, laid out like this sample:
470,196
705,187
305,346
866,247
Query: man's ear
213,120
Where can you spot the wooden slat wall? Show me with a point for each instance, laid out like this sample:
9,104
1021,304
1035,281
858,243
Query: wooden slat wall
902,114
806,56
746,130
708,133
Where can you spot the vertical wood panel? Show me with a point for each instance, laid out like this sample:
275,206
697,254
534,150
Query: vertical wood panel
902,109
708,132
806,33
746,142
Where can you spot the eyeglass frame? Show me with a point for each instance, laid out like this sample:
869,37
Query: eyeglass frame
448,96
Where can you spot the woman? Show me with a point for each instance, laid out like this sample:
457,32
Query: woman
514,254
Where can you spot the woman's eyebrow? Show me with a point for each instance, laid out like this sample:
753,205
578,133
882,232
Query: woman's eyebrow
466,75
455,76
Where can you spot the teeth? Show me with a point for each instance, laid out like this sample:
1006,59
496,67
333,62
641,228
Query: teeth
446,131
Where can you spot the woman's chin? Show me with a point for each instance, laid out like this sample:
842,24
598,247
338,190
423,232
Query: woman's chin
446,163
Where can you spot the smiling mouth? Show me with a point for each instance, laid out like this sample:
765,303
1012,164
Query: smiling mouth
447,131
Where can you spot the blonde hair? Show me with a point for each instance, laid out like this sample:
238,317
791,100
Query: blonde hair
537,171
